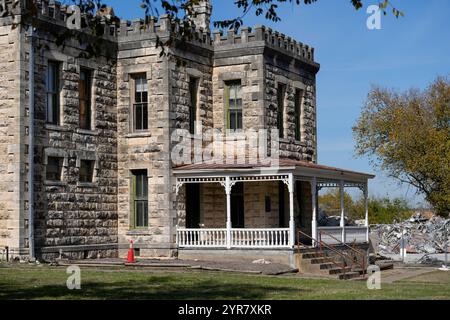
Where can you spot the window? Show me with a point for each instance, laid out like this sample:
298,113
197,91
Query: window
53,92
54,168
139,199
298,114
87,171
233,96
84,94
280,113
140,103
193,87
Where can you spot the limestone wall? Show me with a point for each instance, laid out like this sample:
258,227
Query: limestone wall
147,150
12,225
293,79
70,213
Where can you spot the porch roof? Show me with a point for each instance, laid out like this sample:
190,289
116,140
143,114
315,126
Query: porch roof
297,167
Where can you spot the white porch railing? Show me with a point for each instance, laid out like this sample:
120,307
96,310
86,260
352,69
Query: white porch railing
351,234
201,238
356,234
329,233
260,238
240,238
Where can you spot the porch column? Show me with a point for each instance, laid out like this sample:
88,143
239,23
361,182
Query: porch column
228,192
291,211
366,209
341,191
314,210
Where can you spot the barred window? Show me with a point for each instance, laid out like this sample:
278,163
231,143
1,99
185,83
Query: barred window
280,111
87,170
140,103
54,168
140,199
84,95
298,114
233,99
193,88
53,93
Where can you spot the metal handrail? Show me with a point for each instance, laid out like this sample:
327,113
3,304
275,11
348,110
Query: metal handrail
360,253
340,253
343,266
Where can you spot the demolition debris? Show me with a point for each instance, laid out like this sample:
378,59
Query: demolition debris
422,235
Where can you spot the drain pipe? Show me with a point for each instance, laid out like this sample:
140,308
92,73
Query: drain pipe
31,146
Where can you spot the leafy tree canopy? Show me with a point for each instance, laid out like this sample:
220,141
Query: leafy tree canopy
382,210
407,135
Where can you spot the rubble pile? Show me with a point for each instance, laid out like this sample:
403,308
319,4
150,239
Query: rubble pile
422,235
325,220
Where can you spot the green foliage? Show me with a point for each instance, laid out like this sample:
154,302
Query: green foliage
407,136
387,211
382,210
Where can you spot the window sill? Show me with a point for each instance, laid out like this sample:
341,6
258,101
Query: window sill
87,132
144,134
56,127
138,232
87,184
55,183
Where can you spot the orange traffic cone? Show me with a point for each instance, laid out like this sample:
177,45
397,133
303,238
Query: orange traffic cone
130,258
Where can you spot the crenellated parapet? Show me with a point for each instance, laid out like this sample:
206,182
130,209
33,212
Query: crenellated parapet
162,28
273,39
58,14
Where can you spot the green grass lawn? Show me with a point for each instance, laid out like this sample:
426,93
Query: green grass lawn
45,282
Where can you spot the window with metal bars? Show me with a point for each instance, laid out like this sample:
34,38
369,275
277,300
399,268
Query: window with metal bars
139,199
53,93
54,168
280,110
140,103
298,114
233,100
84,97
87,170
193,88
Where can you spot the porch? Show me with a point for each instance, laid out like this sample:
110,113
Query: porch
301,180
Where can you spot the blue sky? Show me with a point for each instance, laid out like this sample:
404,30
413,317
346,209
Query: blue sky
407,52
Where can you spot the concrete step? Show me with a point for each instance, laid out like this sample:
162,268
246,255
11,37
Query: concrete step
327,266
311,255
306,250
337,271
319,260
349,276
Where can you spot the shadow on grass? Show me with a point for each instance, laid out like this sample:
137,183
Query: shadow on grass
160,289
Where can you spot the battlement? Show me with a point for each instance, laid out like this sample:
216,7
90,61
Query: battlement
122,30
272,39
158,27
57,13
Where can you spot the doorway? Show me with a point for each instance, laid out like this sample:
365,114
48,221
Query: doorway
193,206
237,206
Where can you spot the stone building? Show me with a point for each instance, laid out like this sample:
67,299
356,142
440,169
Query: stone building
104,169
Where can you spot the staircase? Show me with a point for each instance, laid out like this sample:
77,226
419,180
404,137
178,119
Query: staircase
315,262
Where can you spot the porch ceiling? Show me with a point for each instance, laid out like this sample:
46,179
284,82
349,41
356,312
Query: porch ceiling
300,169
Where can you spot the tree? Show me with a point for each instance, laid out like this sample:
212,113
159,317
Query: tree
382,210
407,135
330,202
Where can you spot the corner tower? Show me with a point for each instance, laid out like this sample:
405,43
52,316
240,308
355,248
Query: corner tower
202,16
